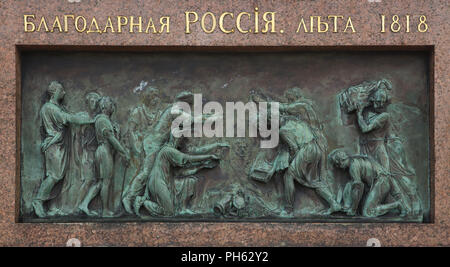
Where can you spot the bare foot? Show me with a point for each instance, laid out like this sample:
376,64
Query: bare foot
88,212
350,212
287,213
38,207
127,205
153,208
138,204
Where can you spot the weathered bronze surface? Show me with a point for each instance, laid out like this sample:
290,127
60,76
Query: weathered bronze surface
96,142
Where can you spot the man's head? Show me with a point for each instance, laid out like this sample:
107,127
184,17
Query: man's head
257,96
379,98
339,158
293,94
150,96
56,90
107,105
92,100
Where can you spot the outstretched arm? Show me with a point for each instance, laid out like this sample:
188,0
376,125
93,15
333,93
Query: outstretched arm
197,167
198,158
180,159
207,148
293,108
79,119
188,172
199,118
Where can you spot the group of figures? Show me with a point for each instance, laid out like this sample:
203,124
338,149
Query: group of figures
94,141
148,168
381,179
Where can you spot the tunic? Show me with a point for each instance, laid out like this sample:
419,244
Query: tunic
308,164
161,187
104,153
55,120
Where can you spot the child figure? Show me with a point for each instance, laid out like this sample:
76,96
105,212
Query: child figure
108,144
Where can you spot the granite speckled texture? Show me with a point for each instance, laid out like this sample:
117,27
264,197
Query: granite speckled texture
365,16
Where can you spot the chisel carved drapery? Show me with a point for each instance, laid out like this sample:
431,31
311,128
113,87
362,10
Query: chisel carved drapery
345,151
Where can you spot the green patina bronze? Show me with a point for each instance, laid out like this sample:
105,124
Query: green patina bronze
93,154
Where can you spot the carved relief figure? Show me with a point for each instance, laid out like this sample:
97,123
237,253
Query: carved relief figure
90,186
161,185
302,132
55,121
108,144
152,143
142,118
378,139
265,165
156,137
366,175
150,170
